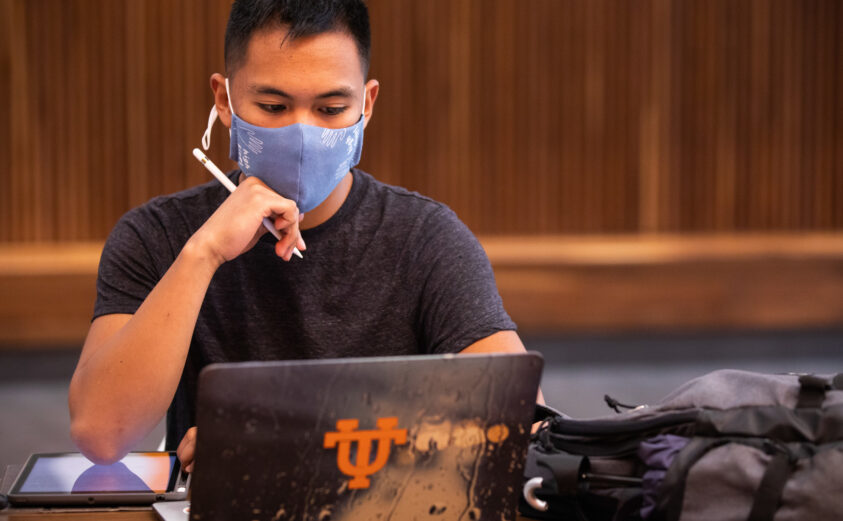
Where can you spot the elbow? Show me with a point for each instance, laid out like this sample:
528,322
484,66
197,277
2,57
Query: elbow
96,443
98,440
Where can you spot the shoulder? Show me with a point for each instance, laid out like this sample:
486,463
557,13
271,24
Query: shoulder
159,227
180,212
379,188
185,203
428,230
401,206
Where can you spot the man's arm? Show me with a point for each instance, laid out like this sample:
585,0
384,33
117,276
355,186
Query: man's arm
131,365
500,342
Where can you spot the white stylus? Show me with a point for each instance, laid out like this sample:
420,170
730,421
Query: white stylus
226,182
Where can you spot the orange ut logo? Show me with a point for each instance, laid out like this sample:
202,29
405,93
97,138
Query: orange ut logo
347,432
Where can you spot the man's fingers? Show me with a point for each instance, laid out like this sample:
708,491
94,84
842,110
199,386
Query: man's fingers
291,236
284,250
264,197
287,219
187,449
283,212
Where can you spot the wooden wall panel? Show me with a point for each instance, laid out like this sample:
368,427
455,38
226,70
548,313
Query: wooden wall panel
547,116
549,284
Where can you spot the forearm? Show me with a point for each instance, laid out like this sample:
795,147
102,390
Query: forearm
124,384
130,366
501,342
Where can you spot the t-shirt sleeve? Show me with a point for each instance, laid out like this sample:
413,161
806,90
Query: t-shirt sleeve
128,270
460,303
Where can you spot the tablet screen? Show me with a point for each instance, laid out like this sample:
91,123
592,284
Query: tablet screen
73,473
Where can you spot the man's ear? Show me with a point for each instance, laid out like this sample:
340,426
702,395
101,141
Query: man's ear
372,88
221,98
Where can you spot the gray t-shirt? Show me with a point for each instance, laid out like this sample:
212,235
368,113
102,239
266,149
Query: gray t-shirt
391,273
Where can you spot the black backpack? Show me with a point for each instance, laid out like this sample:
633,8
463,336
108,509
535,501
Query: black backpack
730,445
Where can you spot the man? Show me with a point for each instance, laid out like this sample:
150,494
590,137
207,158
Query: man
194,278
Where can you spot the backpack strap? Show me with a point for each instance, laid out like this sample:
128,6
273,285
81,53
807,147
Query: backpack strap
567,470
671,492
769,493
812,391
767,496
545,412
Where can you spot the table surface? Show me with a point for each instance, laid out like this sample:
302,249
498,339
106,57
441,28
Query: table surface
136,515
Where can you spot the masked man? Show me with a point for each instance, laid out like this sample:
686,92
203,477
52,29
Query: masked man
194,278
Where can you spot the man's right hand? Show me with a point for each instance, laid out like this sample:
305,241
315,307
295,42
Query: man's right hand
237,224
130,365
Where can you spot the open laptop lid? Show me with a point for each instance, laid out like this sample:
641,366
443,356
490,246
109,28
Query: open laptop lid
446,438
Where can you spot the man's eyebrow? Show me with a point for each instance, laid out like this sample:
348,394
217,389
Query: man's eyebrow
265,89
341,92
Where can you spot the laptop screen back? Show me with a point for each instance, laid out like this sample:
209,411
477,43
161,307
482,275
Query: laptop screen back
378,438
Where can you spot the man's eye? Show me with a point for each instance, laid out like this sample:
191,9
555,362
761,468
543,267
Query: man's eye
271,108
333,111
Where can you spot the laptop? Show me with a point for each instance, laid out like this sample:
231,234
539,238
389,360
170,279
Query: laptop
420,437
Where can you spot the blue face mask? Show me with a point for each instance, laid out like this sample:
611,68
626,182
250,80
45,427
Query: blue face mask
301,162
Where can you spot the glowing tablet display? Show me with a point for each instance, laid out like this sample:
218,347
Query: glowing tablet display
73,473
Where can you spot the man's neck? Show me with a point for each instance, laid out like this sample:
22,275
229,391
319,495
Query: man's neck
329,206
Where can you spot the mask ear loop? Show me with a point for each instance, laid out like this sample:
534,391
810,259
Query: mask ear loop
206,137
212,118
228,96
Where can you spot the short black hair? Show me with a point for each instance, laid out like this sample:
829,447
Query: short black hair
302,17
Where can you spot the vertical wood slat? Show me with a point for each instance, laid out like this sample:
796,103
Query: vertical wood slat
837,146
13,122
585,116
137,103
824,94
725,111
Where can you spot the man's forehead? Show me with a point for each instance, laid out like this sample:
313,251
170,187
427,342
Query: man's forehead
340,90
271,56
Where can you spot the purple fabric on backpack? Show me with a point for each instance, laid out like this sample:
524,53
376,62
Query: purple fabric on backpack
657,453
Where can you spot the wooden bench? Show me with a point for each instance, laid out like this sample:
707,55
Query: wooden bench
549,284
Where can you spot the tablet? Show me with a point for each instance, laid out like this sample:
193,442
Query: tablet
69,478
